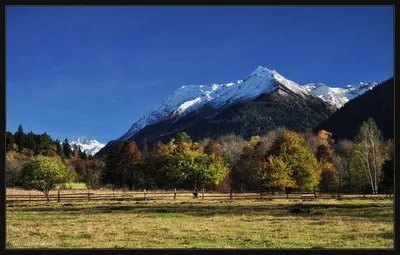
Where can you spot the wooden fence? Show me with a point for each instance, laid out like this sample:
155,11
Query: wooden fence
174,195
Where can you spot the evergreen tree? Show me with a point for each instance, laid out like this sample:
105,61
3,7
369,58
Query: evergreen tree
114,171
45,142
20,138
67,149
59,148
9,141
182,137
82,154
30,141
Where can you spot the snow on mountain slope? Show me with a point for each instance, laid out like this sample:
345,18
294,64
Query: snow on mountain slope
91,147
192,97
338,96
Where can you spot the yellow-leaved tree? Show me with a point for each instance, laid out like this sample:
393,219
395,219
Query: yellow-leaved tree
290,163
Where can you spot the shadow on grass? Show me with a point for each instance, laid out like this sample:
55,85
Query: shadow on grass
373,212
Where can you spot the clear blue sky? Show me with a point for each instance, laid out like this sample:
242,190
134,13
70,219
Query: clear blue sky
93,71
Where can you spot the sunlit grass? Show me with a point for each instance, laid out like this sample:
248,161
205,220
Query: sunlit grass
196,223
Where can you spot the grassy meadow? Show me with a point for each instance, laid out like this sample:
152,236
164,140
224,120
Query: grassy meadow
197,223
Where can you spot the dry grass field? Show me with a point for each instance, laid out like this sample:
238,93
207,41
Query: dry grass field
197,223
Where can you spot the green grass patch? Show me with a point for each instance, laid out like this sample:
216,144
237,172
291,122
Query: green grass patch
72,185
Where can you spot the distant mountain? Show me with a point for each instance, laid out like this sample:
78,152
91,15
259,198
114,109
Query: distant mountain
190,98
91,147
377,103
262,101
338,96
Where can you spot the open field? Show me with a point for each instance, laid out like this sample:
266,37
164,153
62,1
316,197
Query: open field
197,223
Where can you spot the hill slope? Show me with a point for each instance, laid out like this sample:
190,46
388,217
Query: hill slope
377,103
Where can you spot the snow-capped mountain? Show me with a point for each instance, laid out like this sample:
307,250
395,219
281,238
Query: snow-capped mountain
91,147
189,98
338,96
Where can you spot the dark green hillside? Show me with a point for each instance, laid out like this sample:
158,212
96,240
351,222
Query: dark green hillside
266,112
377,103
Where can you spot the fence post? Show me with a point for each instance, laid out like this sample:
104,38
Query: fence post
30,194
58,196
287,195
230,195
202,193
261,195
145,194
175,194
88,196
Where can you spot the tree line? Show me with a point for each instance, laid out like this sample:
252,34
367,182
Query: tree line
279,160
31,144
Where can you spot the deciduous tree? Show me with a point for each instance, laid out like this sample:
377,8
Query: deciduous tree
44,173
370,154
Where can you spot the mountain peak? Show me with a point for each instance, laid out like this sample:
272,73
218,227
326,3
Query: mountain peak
91,147
261,69
338,96
190,98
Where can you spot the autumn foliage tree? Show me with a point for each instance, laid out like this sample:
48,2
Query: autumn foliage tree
94,170
130,163
370,153
275,174
329,176
214,148
291,154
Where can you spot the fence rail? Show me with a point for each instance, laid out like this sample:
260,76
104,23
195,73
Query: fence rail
135,195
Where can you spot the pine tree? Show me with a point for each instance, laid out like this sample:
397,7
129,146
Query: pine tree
20,138
9,141
82,154
30,141
182,137
114,171
59,148
67,149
